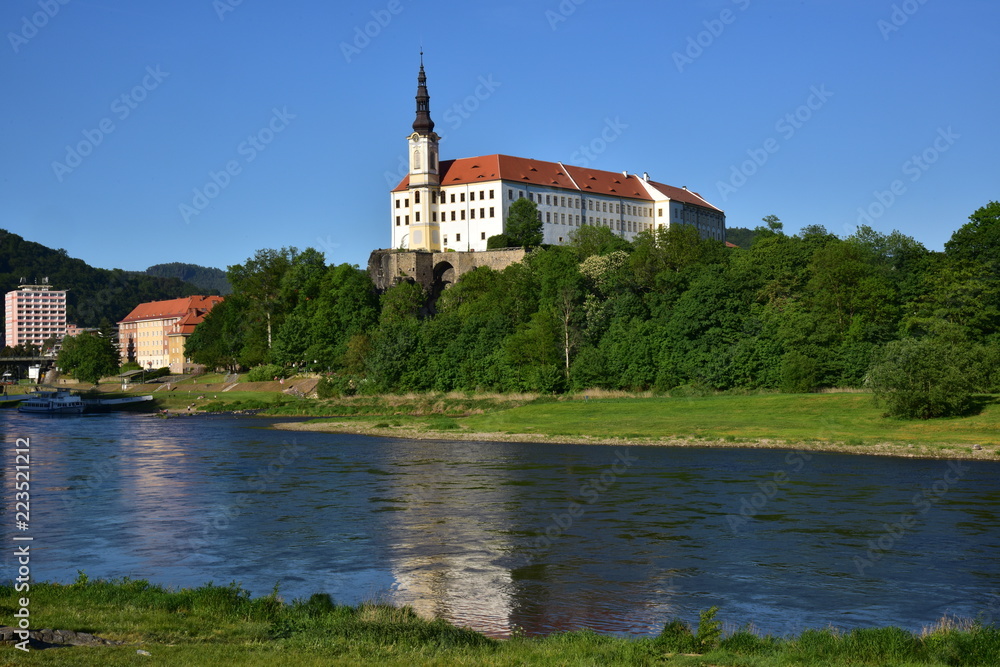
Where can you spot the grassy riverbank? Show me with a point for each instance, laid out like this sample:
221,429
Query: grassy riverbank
838,422
216,625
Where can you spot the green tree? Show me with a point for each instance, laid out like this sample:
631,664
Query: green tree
87,357
924,378
523,226
259,280
979,239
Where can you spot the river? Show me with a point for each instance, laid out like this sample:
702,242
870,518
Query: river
542,537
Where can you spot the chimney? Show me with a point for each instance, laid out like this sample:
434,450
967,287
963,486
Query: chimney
645,176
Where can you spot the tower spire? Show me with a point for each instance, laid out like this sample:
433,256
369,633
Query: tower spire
423,123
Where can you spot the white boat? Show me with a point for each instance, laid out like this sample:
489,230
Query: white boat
59,402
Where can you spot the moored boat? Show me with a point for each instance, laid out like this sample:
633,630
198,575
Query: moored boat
59,402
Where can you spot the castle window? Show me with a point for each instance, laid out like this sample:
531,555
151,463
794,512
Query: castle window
397,221
560,239
539,216
452,197
458,238
407,220
510,194
434,216
472,196
482,194
446,240
416,197
661,212
472,213
434,196
548,217
491,212
491,194
461,196
453,216
416,217
563,200
548,199
482,236
463,214
406,202
397,203
577,221
520,195
482,213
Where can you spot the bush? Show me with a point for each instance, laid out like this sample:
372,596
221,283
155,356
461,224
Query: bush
338,386
266,373
799,373
924,378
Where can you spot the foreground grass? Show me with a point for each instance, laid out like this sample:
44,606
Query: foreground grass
222,625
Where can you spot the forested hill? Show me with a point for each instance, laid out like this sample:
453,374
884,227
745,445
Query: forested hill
206,278
94,294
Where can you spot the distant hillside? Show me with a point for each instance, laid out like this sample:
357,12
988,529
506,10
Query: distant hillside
207,278
94,294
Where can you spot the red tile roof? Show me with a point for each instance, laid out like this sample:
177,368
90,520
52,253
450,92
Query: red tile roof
471,170
156,310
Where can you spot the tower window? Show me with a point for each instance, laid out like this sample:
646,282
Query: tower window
397,221
407,220
397,203
406,202
416,217
434,216
416,197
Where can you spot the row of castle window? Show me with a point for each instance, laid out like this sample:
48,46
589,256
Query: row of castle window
434,216
435,195
458,238
592,205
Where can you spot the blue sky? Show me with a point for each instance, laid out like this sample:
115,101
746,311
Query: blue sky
117,114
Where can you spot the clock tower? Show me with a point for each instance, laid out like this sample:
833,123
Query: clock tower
425,179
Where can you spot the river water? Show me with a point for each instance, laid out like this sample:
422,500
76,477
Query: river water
497,535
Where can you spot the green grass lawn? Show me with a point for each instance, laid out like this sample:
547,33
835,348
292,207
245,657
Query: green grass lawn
222,625
850,418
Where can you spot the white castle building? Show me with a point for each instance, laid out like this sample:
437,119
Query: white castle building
459,204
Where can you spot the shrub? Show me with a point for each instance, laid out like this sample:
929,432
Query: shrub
338,386
799,373
266,373
923,379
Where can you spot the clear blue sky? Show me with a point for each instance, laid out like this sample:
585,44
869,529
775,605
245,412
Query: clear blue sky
200,77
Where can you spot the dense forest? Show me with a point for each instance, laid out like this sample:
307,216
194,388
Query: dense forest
96,297
207,279
791,312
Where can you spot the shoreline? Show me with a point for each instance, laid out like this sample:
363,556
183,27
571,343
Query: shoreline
943,452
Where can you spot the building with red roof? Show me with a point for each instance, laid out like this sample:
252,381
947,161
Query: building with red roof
459,204
153,334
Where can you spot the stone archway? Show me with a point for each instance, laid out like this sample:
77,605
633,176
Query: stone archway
444,277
